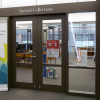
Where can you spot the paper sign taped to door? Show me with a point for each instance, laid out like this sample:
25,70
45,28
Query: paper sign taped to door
52,48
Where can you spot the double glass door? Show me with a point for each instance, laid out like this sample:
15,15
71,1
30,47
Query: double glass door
39,52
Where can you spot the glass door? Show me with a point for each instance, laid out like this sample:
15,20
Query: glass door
25,52
51,52
39,58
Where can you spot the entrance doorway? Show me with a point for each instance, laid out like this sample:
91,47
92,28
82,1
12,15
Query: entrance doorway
39,58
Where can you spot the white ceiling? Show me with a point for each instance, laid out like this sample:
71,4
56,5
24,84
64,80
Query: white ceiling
44,2
18,3
85,0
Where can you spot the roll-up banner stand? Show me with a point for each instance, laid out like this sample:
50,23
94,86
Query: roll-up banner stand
3,55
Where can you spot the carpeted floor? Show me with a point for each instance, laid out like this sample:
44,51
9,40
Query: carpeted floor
79,79
24,94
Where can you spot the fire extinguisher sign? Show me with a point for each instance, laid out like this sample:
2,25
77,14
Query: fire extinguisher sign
52,48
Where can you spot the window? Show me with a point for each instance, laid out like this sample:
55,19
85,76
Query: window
82,48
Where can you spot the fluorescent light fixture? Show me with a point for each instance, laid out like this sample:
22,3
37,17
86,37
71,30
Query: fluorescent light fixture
23,22
51,21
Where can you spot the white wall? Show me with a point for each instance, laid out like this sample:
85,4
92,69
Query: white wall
0,4
17,3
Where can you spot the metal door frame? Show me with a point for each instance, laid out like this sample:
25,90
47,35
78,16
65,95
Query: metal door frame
34,35
47,87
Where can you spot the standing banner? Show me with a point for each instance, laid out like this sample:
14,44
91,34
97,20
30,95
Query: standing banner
52,48
81,57
3,55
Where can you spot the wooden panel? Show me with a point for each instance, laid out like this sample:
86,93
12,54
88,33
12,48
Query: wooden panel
44,44
52,58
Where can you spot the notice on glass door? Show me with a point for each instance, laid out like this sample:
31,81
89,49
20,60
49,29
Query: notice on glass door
53,48
81,57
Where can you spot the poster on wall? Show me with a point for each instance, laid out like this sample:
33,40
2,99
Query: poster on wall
53,48
81,57
3,55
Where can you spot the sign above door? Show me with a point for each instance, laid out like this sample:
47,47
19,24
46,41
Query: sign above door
21,11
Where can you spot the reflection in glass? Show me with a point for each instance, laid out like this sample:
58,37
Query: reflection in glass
82,79
23,75
82,49
82,36
52,41
24,51
52,75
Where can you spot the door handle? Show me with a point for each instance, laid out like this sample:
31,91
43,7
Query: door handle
33,56
39,86
34,85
